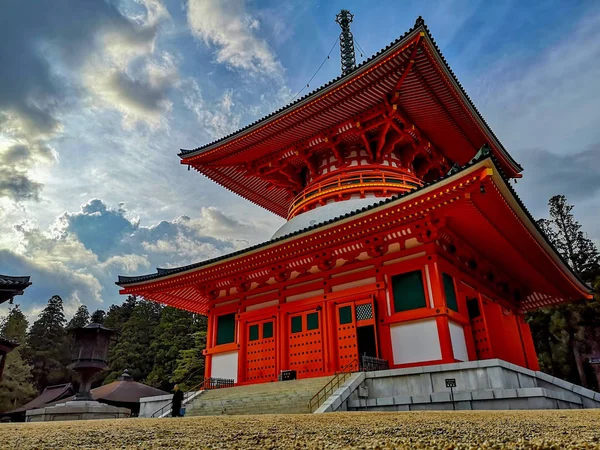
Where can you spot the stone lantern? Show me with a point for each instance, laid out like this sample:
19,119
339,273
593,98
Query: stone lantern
89,355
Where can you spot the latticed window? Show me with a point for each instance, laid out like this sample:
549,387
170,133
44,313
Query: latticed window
364,312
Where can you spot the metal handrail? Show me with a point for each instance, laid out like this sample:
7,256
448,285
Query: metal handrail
338,379
206,384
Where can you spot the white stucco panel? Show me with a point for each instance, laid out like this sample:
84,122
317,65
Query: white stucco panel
415,342
459,346
225,365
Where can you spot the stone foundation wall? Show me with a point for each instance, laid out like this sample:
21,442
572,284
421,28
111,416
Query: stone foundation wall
488,384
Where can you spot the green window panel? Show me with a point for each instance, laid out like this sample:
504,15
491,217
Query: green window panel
450,292
312,321
226,329
408,291
345,315
296,324
254,332
267,330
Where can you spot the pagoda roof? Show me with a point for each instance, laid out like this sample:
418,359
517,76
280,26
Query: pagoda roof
430,96
11,286
466,221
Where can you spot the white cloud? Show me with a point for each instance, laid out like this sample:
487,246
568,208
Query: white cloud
80,256
547,100
218,119
227,25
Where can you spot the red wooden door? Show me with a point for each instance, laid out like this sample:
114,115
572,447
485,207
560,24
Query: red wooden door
260,351
306,343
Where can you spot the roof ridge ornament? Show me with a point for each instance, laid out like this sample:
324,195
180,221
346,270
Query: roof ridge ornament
344,19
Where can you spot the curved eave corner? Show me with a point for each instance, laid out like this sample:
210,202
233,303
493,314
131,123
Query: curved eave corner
502,154
529,221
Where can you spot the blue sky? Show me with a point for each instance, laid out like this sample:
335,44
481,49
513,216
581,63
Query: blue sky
96,98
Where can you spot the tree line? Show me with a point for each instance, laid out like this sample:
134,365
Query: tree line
162,345
159,345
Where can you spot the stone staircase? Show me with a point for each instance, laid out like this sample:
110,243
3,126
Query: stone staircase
283,397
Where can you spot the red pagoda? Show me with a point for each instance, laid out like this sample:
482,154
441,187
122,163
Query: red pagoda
404,240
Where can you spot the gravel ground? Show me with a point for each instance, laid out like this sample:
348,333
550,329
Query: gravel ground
437,430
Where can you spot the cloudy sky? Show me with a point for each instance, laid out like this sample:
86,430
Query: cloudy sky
97,97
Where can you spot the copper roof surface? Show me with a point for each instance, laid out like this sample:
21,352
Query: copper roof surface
50,395
125,391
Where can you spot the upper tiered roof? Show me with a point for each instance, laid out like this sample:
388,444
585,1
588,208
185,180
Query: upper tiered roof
430,97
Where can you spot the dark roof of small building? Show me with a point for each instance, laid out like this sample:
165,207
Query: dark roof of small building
125,390
11,286
50,395
7,345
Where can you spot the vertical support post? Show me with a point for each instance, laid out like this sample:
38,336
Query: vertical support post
242,349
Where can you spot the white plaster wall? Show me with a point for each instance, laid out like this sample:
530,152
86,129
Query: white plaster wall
415,342
262,305
459,346
225,365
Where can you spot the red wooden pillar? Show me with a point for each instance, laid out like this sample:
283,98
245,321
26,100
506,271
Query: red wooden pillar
210,339
461,297
282,342
531,358
242,349
383,329
439,304
329,337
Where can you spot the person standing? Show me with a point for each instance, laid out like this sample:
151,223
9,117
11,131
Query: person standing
177,400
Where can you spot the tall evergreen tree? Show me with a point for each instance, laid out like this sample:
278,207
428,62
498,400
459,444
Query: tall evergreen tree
564,334
118,315
16,387
132,351
98,316
569,239
174,334
80,319
189,368
47,346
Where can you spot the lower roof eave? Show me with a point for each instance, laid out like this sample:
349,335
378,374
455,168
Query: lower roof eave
139,284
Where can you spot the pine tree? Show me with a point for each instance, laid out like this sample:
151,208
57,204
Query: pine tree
80,319
98,316
564,334
174,334
47,346
132,351
189,369
118,315
571,242
16,387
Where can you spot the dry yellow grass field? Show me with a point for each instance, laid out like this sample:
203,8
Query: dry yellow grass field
438,430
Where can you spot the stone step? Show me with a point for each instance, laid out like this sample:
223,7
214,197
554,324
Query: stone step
286,397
